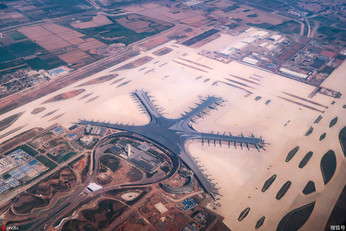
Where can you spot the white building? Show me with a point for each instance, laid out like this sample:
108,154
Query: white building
94,187
292,73
249,60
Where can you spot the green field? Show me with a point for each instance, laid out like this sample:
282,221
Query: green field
12,54
263,25
54,8
252,16
11,66
15,35
107,33
332,33
23,49
288,27
44,160
5,55
28,150
46,64
230,8
328,70
111,162
116,33
62,157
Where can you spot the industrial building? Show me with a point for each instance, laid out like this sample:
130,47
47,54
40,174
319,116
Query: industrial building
250,60
292,73
188,204
16,167
98,131
58,131
87,141
140,158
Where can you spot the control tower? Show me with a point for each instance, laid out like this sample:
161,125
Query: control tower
128,150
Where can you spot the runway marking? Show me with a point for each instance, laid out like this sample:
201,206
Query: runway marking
190,66
123,84
306,100
242,84
92,99
258,76
254,78
85,96
196,63
117,81
249,81
300,104
149,71
232,85
56,117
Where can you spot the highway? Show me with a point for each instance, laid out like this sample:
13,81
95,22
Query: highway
82,193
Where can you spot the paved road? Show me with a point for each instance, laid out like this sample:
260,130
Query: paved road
16,192
83,194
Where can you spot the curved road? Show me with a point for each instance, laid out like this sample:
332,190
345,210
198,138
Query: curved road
79,196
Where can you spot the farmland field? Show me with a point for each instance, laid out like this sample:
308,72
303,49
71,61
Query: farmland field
15,35
127,29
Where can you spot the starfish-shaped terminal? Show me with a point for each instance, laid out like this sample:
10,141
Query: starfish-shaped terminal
173,133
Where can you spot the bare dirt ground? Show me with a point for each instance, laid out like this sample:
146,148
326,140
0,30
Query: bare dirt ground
98,80
5,123
37,110
18,139
240,174
162,51
137,63
65,96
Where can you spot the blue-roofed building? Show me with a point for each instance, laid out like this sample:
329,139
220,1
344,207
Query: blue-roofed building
3,188
26,155
26,168
71,136
56,71
188,204
33,162
12,183
58,131
15,155
17,174
8,180
191,227
19,154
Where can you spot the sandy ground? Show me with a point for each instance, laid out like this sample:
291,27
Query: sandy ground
240,174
